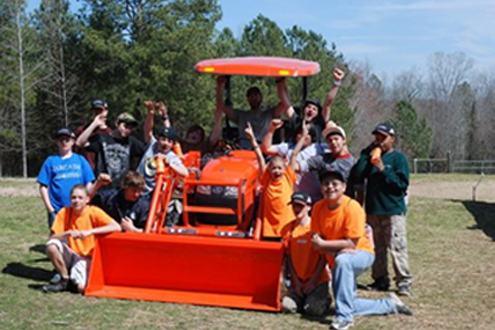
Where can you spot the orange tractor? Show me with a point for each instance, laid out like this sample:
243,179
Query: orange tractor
217,257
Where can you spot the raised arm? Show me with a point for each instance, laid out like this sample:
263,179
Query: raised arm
252,138
103,180
338,75
293,158
284,106
149,122
267,143
229,112
217,128
163,111
98,121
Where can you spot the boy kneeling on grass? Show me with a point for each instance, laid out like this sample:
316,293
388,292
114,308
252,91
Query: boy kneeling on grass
338,224
72,241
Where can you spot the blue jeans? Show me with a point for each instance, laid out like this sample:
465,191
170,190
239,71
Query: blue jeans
348,266
51,218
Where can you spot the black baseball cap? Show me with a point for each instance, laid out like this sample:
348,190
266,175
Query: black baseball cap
384,128
169,133
335,173
99,104
300,198
65,132
315,102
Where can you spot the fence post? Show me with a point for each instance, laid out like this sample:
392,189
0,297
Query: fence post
415,165
449,164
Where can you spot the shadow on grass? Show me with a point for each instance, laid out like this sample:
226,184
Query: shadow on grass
41,248
484,215
33,273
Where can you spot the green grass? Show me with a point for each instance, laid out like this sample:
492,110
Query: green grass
451,253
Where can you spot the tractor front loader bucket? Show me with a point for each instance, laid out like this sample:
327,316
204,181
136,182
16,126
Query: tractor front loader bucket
227,272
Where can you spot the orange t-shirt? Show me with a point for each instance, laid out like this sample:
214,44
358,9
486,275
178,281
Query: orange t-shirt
276,197
92,217
297,243
345,222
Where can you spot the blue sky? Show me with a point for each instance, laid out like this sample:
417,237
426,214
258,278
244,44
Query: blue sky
392,36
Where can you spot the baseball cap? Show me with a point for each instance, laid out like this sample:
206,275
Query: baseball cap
99,104
314,102
333,173
253,90
127,118
384,128
65,132
335,130
169,133
300,198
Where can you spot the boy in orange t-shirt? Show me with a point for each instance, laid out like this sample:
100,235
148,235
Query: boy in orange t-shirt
277,180
76,224
338,224
309,277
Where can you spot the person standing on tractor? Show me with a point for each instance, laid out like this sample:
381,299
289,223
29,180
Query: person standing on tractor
258,117
73,239
113,151
309,278
312,111
338,224
277,180
387,180
161,147
99,109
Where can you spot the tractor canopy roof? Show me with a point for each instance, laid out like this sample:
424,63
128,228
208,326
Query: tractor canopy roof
259,66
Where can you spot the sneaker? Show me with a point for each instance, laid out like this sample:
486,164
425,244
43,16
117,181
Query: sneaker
400,307
404,290
341,324
56,278
379,285
57,287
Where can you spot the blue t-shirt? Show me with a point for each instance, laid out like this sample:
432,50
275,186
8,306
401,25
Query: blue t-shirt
61,174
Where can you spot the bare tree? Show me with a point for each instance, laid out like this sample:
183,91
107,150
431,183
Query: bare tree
449,108
407,86
54,25
369,102
17,66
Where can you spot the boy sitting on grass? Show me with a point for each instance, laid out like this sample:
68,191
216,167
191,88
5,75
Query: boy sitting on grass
77,225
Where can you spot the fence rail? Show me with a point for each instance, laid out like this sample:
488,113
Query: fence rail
445,165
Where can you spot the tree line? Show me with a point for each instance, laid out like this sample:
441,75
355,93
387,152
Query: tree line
54,61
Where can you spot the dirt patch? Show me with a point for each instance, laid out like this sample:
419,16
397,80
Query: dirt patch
18,187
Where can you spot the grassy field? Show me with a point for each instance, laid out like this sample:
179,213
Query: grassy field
451,246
